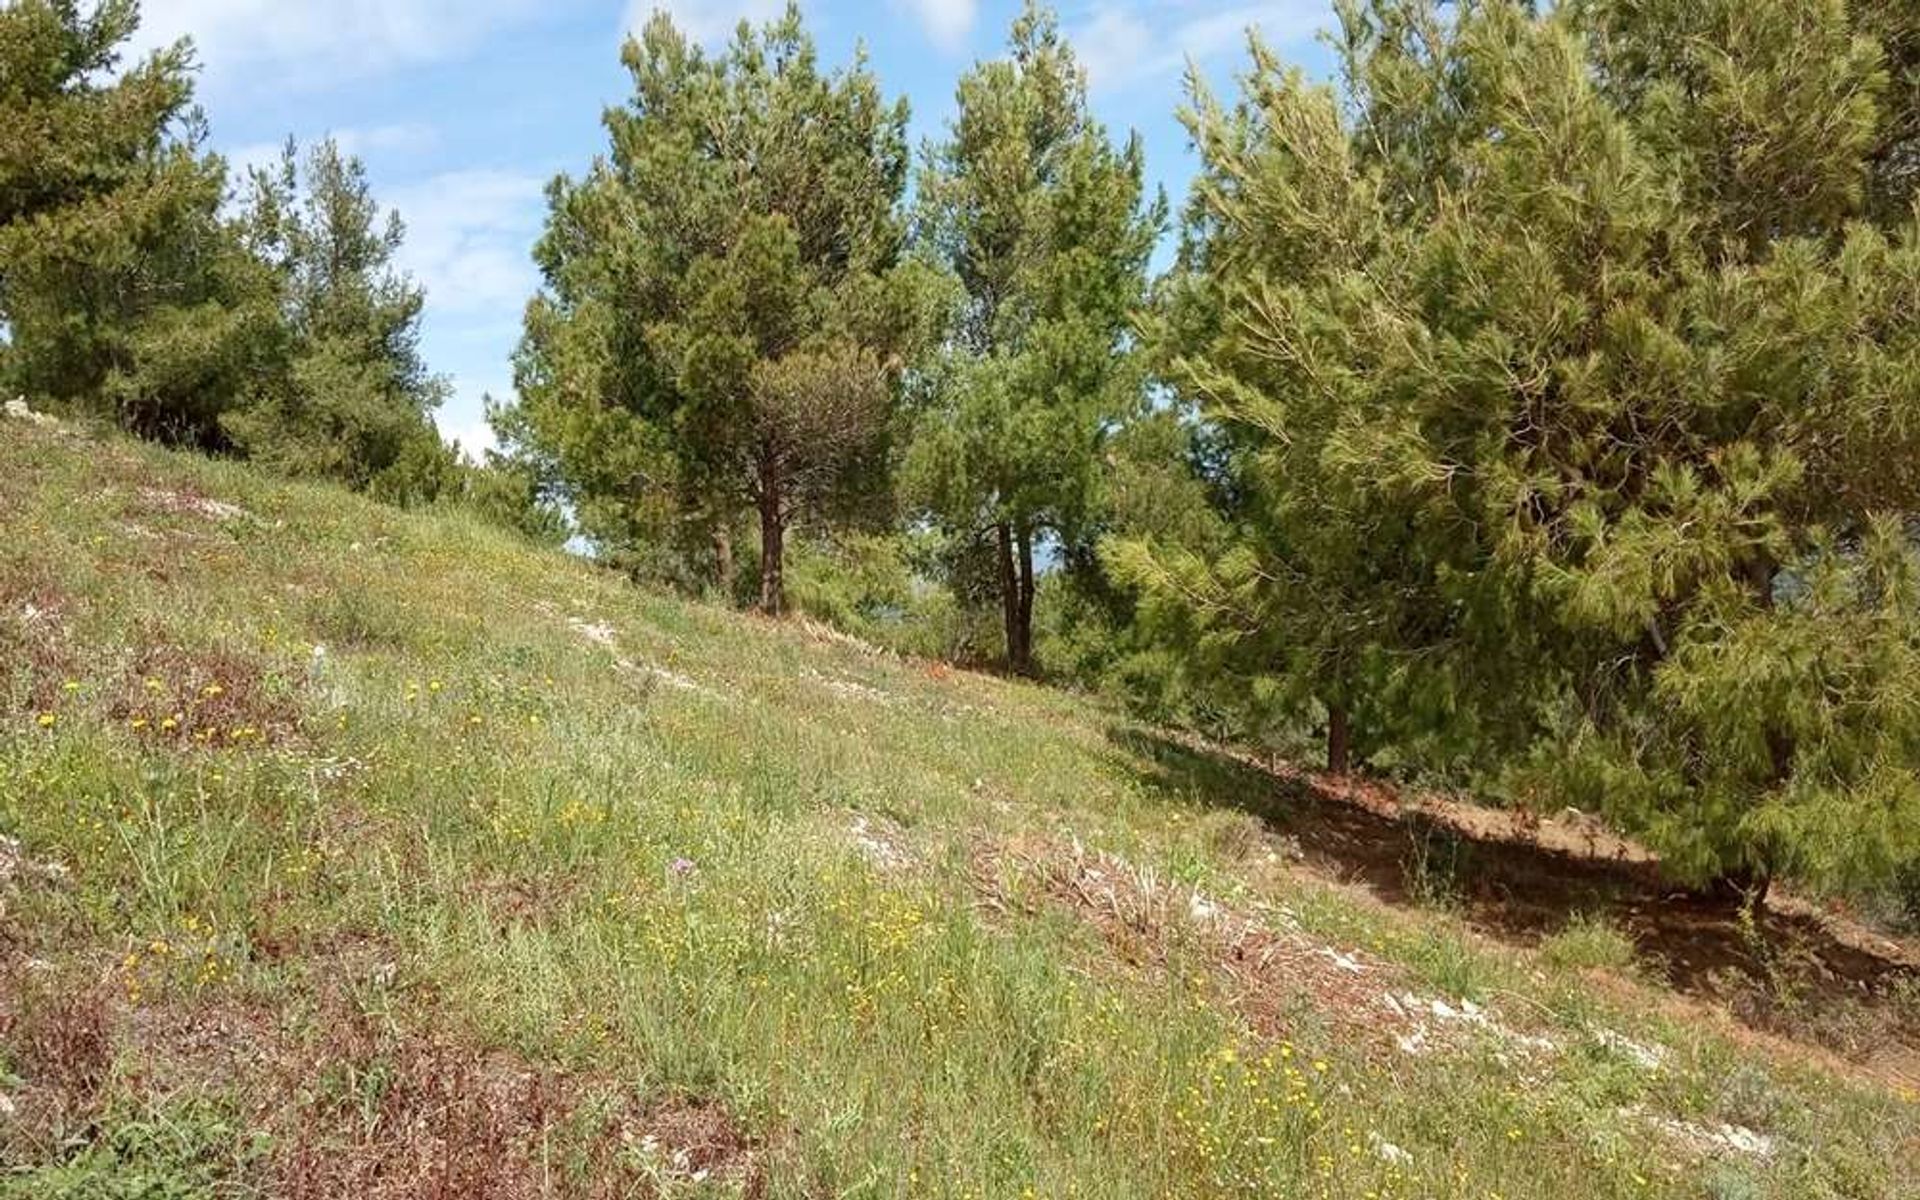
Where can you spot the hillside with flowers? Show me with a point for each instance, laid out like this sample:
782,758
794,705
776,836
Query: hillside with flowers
351,852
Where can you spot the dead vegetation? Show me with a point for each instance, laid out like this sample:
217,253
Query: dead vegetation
324,1092
35,656
337,1100
1263,968
184,501
1786,969
54,1030
383,1117
173,695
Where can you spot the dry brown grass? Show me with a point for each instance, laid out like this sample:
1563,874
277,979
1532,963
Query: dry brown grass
351,1104
206,698
35,656
1272,978
56,1028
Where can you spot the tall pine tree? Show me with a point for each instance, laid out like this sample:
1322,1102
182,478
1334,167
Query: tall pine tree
1597,332
350,399
1045,224
122,288
726,310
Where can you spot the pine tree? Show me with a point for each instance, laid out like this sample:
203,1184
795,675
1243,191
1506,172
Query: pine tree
121,286
726,308
1572,367
1894,26
1341,594
1044,223
351,398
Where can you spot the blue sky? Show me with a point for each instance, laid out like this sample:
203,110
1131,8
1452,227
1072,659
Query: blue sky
464,109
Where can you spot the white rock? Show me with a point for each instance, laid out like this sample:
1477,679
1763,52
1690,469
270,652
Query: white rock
1350,965
1746,1141
17,410
1387,1151
1647,1058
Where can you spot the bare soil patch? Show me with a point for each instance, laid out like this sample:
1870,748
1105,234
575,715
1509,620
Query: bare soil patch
342,1101
1786,969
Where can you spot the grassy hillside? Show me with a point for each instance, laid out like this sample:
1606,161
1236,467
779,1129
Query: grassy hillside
353,853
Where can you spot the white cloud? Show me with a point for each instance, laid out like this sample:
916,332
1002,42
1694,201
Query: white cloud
469,237
469,234
1114,44
709,22
302,43
947,22
353,141
463,422
1124,44
241,160
404,136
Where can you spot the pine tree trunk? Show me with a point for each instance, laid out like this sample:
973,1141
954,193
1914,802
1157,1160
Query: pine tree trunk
1339,740
1009,602
1015,612
1023,546
723,559
1749,885
773,536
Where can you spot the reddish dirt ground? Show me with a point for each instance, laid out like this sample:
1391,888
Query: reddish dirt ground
1788,970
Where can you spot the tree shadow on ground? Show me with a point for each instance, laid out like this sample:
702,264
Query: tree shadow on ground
1786,968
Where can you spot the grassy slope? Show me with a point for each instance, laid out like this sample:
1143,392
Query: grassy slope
468,906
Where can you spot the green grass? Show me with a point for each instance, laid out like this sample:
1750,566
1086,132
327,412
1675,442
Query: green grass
455,851
1587,942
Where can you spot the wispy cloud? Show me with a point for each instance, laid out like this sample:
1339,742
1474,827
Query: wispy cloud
359,142
1126,43
463,422
948,23
709,22
468,235
407,137
309,44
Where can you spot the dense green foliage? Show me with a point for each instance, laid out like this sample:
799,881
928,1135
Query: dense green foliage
122,288
1043,222
727,310
1572,385
352,399
276,327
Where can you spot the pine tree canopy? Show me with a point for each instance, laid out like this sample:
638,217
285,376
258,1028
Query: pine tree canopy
1571,369
1044,224
127,288
121,287
727,306
351,399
